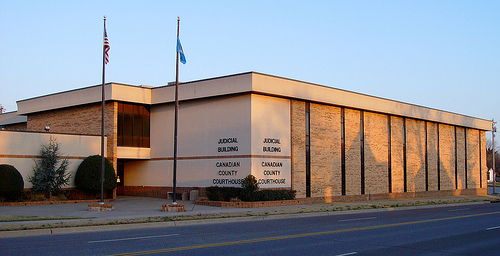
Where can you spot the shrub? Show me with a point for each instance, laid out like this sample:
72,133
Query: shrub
273,195
50,171
250,187
250,183
88,174
11,182
215,193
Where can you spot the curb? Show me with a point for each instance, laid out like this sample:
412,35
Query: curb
176,223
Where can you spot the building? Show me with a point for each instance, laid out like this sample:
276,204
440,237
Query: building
325,143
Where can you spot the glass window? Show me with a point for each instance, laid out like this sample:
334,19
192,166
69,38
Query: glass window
133,125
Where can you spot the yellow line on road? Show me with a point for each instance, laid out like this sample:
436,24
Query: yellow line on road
301,235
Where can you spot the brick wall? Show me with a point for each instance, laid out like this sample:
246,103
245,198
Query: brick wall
325,151
447,156
16,127
473,167
461,178
83,119
352,154
415,155
397,156
484,168
298,133
432,156
376,153
421,174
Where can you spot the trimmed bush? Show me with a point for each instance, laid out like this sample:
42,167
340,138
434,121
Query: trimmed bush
274,195
88,174
248,192
11,182
215,193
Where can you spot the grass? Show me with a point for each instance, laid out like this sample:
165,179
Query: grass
333,207
20,218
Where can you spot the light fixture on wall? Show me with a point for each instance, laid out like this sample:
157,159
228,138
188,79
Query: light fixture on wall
47,128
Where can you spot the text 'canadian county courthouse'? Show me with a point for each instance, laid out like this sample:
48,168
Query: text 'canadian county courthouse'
325,143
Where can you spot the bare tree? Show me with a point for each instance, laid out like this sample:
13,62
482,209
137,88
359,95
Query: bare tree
489,159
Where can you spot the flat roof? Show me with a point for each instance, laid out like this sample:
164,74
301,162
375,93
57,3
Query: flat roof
249,82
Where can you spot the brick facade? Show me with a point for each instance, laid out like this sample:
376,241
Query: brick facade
83,119
298,133
376,154
426,158
447,157
353,152
432,156
461,172
415,155
397,156
15,127
325,156
473,167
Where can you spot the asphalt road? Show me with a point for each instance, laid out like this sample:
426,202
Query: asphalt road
453,230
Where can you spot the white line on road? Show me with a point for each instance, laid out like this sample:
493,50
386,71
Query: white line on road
370,218
461,209
345,254
131,238
493,228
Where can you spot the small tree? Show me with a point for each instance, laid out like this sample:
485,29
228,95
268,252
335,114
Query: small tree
250,187
50,171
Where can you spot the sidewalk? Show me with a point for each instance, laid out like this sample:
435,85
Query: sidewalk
142,211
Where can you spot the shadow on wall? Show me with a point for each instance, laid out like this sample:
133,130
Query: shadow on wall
378,181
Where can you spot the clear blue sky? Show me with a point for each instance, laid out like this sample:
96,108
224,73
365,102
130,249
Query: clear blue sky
439,54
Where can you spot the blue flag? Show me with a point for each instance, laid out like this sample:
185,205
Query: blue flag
180,51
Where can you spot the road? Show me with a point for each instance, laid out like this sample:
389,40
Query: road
472,229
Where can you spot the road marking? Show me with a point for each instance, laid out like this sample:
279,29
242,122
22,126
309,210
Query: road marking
130,238
345,254
302,235
368,218
493,228
461,209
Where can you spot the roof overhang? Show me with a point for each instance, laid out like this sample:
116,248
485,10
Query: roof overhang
250,82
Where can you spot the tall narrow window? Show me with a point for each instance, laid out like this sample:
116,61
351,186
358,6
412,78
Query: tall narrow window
404,156
362,151
389,159
438,160
426,160
456,159
133,125
308,149
342,150
480,163
465,142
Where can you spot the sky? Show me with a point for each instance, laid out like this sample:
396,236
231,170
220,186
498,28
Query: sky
439,54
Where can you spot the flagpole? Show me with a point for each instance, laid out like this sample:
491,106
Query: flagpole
176,122
102,111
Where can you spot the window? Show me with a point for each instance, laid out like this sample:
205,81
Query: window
308,149
133,125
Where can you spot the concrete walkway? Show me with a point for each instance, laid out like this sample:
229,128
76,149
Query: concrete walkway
127,208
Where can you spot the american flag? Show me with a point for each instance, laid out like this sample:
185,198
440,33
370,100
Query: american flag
106,47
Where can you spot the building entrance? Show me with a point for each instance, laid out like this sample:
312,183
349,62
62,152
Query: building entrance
120,169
